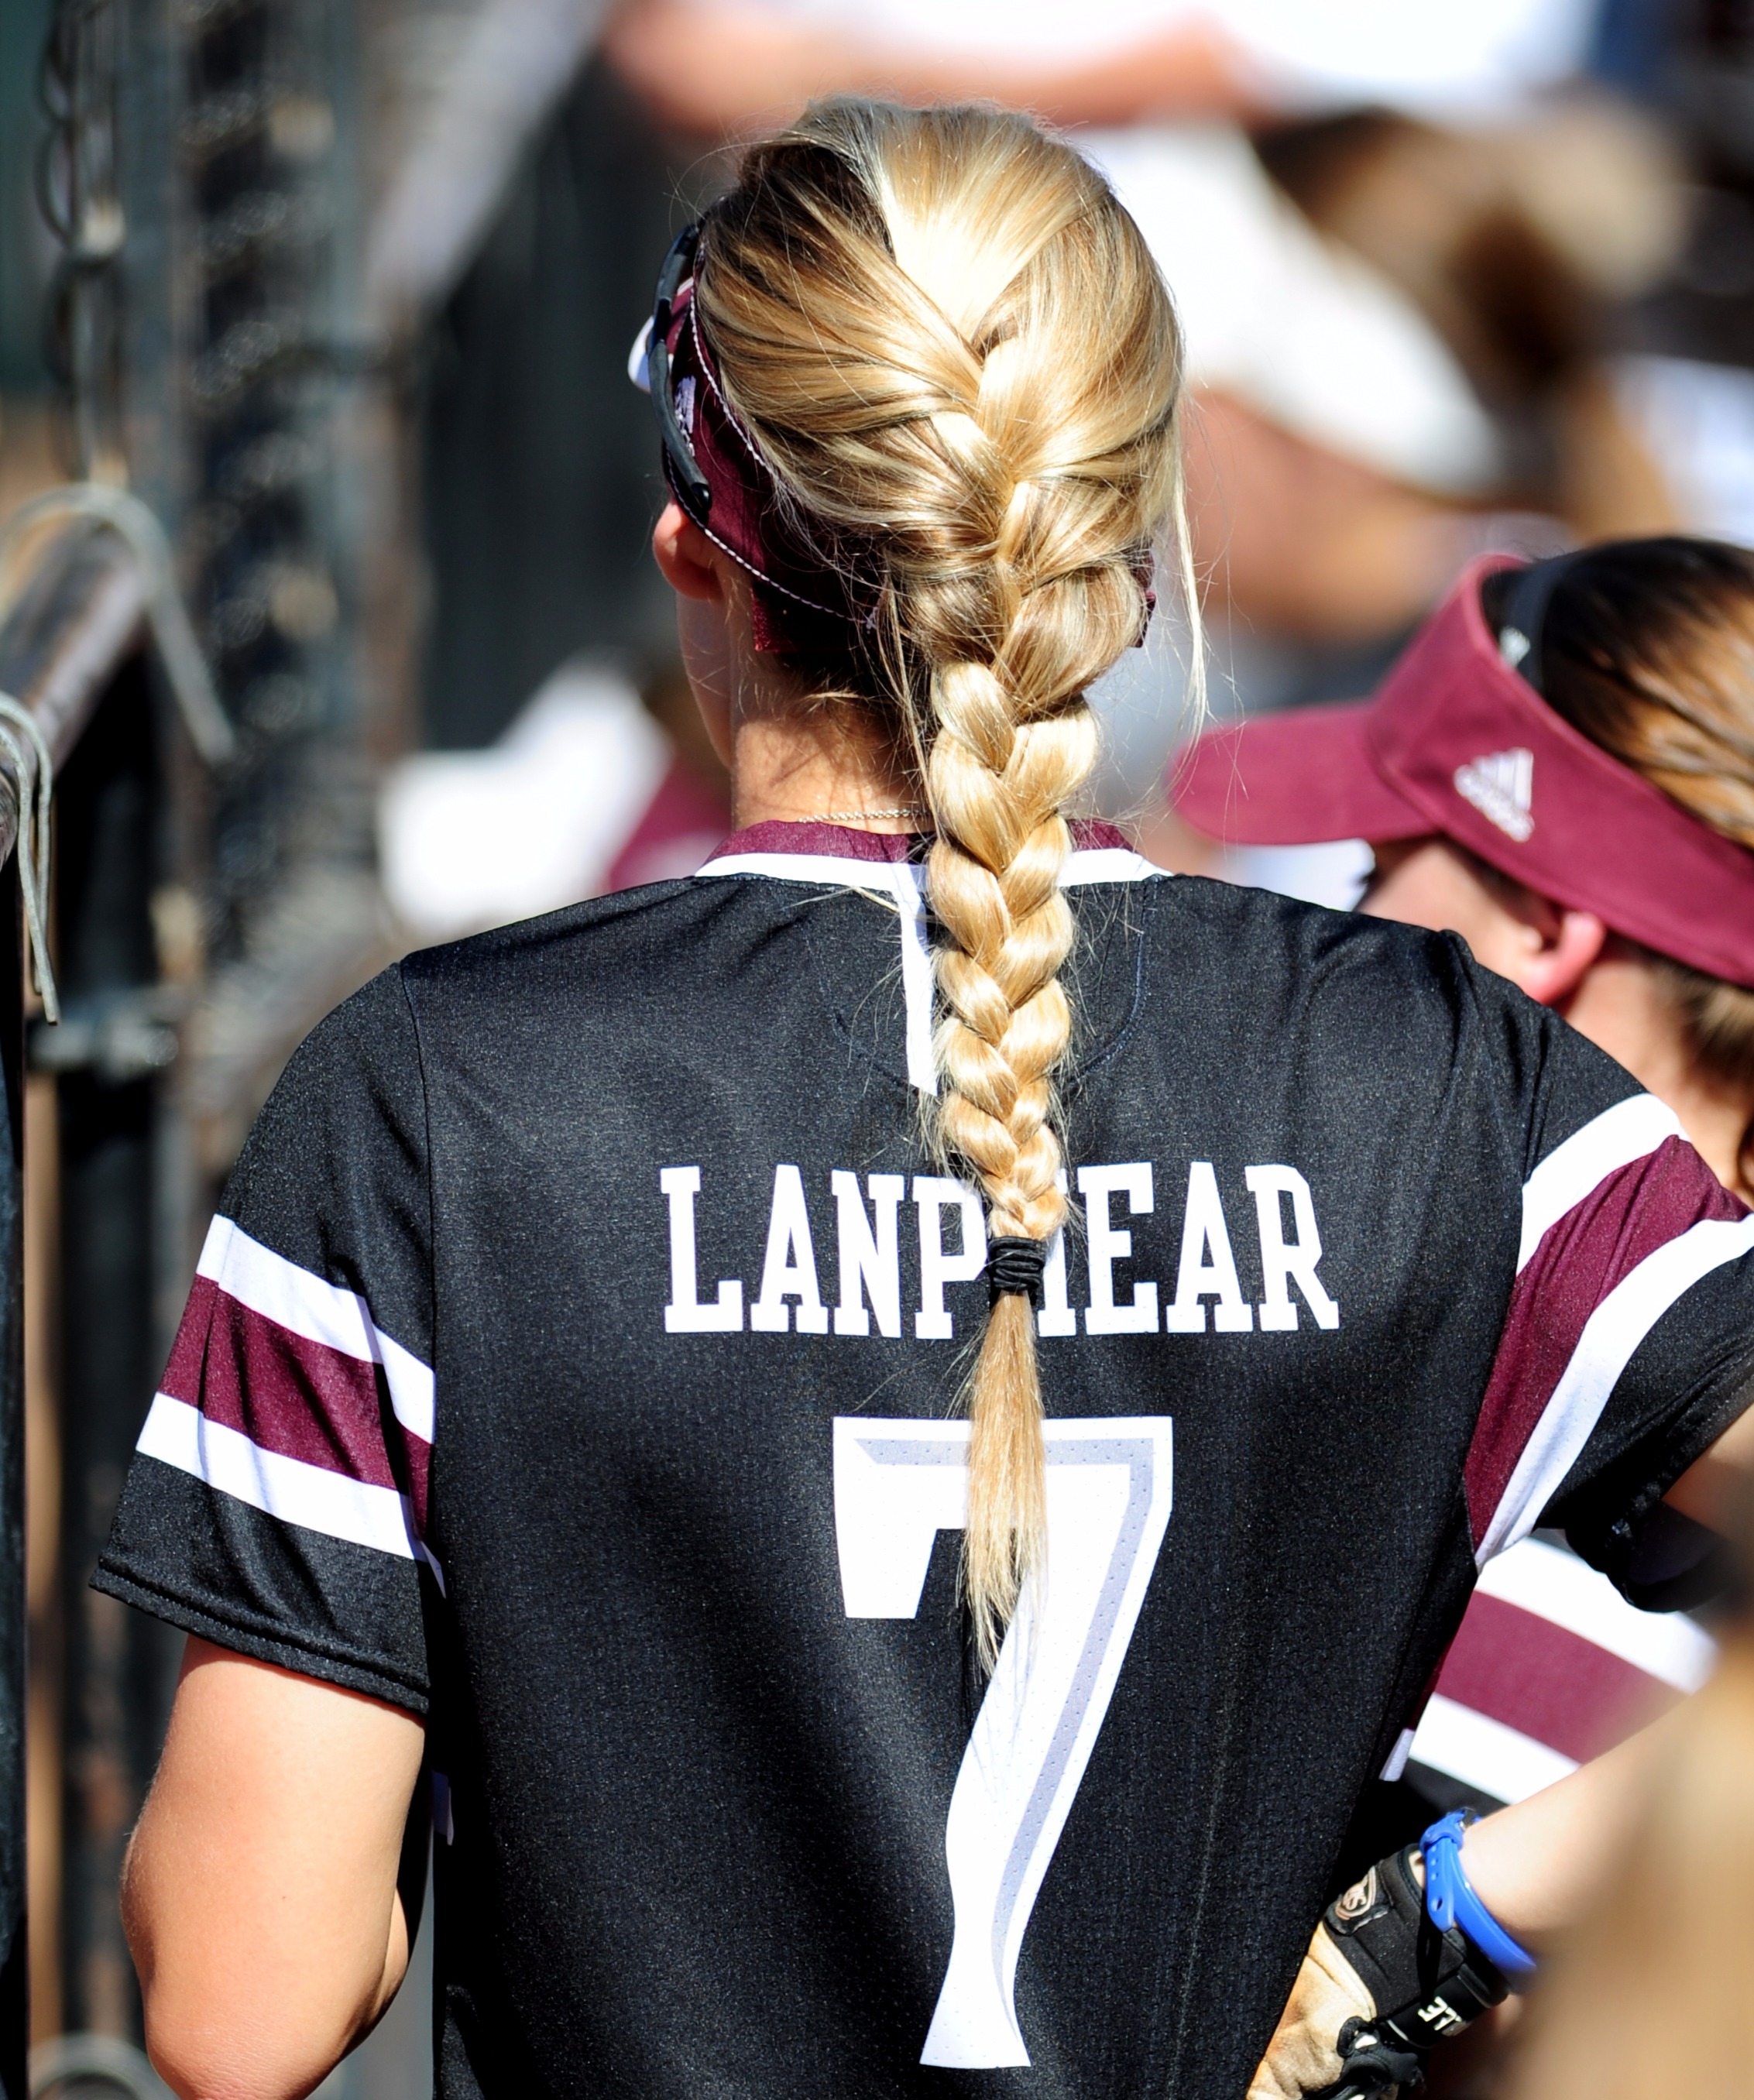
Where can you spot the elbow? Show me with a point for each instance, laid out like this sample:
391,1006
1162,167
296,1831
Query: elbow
218,2028
192,2068
195,2069
211,2052
217,2032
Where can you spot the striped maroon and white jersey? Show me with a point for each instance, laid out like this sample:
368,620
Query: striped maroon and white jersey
1551,1666
576,1363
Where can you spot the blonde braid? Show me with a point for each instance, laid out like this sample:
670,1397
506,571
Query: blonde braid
952,344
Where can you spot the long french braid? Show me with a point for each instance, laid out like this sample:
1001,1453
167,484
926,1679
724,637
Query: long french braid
951,342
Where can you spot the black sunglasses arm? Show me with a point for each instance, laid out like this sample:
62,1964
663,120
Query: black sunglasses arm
691,483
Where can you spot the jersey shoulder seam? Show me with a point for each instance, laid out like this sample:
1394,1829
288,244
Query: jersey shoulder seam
1080,1071
432,1213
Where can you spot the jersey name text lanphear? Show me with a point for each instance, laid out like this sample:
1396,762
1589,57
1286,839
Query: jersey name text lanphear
868,1242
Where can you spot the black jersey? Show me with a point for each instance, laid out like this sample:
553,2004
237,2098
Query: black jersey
576,1361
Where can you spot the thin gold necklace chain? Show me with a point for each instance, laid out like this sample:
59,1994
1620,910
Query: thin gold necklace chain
856,816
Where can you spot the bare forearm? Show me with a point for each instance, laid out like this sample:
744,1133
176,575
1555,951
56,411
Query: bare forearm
259,1895
1538,1865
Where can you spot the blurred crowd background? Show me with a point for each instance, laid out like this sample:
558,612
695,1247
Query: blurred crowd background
343,291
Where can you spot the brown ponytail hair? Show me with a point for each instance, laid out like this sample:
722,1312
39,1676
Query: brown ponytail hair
1648,651
953,347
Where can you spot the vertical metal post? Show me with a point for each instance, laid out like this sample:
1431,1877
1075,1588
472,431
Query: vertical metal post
120,1666
14,2011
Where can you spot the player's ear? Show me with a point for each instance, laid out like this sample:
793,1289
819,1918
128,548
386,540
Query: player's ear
689,561
1569,943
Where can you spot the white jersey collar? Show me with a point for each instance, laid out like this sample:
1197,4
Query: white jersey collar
834,853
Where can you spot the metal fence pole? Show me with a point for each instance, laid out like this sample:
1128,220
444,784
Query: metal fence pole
62,643
107,1057
15,2011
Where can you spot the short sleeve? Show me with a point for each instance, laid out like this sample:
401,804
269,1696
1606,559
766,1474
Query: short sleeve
276,1503
1627,1345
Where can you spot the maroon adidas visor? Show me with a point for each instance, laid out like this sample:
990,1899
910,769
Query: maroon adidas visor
1456,742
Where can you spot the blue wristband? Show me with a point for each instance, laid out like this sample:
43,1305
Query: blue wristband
1450,1898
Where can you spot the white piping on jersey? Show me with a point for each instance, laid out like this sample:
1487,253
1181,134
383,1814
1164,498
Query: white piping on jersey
917,975
321,1312
1497,1759
905,881
1631,1129
1553,1585
1398,1757
310,1497
1612,1331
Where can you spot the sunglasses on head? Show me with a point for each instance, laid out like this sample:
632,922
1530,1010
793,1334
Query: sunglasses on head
678,266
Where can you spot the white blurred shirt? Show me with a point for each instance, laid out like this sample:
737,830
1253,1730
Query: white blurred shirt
1434,56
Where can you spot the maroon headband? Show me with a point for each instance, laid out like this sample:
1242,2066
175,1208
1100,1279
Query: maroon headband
1456,742
807,594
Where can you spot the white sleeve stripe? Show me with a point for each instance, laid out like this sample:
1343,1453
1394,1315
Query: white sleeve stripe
308,1305
1396,1763
1614,1331
309,1496
1484,1753
1556,1585
1628,1130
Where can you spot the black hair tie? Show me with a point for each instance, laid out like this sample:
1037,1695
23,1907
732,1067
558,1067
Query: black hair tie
1014,1267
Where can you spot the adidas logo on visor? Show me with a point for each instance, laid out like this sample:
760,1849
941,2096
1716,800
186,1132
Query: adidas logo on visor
1502,788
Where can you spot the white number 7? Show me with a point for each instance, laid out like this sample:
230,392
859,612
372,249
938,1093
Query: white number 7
897,1484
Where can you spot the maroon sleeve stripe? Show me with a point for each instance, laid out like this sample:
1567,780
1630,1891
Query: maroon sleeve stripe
290,1395
1519,1669
1581,1258
252,1272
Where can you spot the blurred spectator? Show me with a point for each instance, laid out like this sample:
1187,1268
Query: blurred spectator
1516,241
727,67
1698,420
585,792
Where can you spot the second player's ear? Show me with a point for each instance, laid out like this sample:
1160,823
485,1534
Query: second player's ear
1570,943
687,559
